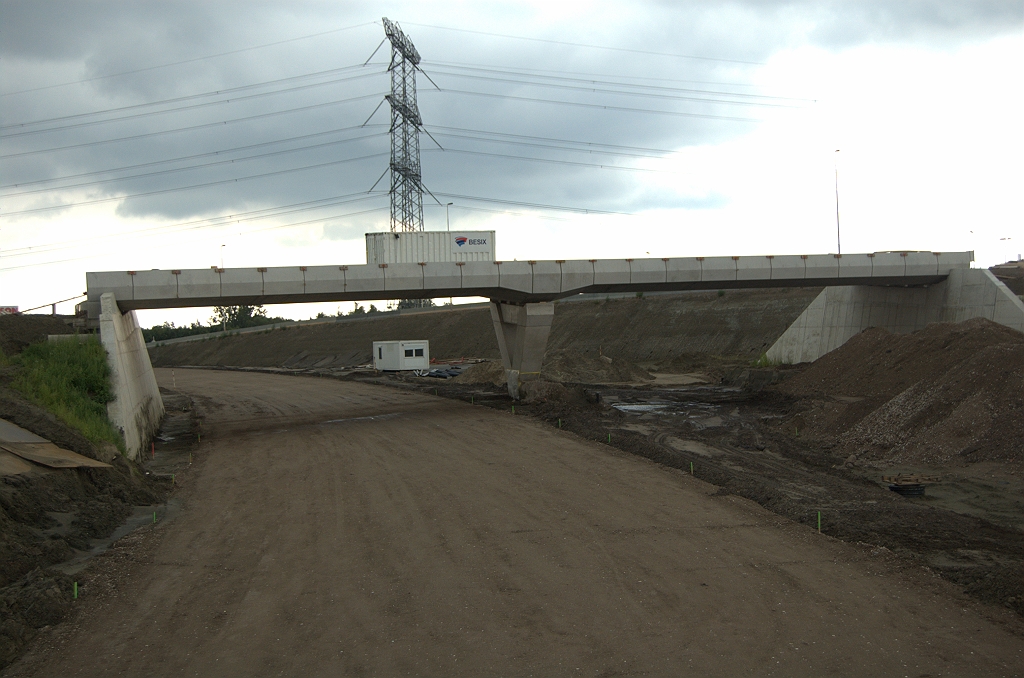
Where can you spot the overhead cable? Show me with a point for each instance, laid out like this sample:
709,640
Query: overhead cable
186,107
206,125
187,61
662,91
590,46
552,161
185,188
597,106
211,222
259,230
153,163
229,161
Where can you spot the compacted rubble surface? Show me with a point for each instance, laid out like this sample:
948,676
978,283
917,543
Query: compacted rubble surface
947,401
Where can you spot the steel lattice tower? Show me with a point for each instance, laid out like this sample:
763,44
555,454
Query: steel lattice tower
406,180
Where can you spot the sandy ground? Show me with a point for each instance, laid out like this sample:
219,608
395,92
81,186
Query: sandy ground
335,528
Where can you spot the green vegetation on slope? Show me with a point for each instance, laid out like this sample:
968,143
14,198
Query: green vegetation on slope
71,379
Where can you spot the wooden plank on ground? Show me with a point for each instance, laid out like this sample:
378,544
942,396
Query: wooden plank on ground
48,454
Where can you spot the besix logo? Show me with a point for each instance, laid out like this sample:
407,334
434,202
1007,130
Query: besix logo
463,240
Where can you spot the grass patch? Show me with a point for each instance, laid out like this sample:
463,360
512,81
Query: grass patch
71,379
765,361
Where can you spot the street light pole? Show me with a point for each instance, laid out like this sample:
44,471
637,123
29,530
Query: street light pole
835,165
447,217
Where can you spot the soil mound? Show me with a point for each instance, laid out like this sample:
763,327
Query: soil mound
951,393
18,331
489,372
576,367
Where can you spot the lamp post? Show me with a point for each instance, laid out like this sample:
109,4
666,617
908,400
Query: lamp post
447,217
835,165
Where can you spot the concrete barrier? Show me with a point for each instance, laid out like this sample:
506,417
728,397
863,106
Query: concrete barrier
839,313
137,407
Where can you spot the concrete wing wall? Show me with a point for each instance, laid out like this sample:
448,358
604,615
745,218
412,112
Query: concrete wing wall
839,313
137,407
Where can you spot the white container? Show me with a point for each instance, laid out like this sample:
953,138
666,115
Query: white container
395,356
414,247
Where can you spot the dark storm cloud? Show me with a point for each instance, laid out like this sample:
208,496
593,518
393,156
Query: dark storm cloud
47,43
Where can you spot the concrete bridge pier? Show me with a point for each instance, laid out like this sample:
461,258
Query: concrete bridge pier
137,407
522,331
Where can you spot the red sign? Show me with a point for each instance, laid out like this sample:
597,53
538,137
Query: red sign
8,310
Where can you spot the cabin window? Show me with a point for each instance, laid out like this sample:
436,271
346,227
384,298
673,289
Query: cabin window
380,352
408,353
419,353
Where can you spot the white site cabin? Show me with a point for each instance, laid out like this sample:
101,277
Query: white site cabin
394,356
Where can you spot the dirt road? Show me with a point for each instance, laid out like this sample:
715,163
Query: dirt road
335,528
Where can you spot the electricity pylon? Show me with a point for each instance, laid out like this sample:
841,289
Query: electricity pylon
406,180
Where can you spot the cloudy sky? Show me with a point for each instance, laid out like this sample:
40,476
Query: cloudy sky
137,135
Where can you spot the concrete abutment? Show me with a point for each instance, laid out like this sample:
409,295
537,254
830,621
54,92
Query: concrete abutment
137,408
840,313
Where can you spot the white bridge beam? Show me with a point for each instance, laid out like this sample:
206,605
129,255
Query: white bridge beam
515,282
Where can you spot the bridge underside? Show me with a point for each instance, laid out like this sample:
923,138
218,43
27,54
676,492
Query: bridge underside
901,291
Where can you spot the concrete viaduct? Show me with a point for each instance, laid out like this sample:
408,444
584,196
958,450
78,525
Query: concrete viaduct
901,291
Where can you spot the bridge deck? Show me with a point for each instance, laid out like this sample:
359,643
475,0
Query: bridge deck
511,281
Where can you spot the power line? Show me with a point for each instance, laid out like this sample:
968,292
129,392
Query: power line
259,230
514,214
125,168
552,161
596,90
196,127
186,61
660,88
578,44
562,72
212,222
552,139
205,104
229,161
534,205
185,188
598,106
529,144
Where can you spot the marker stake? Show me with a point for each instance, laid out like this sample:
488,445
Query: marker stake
559,423
609,438
819,522
154,517
691,468
74,591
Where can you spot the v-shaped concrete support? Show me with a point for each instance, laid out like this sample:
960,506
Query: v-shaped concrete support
522,332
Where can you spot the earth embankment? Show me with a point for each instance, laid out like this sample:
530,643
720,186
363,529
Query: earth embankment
653,328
